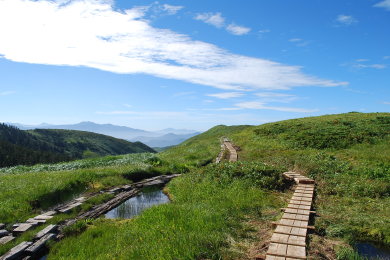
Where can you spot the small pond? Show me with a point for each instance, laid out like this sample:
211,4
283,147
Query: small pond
135,205
372,251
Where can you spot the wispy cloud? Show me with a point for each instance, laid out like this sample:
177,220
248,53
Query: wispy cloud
260,105
172,9
386,57
384,4
276,97
6,93
237,30
182,94
226,95
346,20
217,20
91,33
371,66
362,64
386,103
214,19
299,42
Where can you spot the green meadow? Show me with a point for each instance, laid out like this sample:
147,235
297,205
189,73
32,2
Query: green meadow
214,207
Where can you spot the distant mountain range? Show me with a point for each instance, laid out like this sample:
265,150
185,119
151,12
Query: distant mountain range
161,138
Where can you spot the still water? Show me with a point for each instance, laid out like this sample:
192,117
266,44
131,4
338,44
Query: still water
135,205
373,251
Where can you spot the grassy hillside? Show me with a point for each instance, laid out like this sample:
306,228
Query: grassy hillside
47,146
225,211
81,144
347,154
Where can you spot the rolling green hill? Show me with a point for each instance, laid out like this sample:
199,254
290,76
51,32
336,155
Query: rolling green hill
47,146
347,154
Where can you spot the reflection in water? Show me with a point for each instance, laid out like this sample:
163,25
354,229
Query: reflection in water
135,205
373,251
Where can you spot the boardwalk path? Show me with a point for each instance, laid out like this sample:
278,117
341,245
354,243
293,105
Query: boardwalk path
289,238
288,241
227,145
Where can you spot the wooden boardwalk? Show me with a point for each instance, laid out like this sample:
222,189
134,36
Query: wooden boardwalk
289,238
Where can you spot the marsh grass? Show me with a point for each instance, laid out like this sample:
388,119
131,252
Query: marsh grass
208,206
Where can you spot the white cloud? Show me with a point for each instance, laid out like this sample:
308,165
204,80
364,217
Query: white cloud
386,103
226,95
237,30
276,97
371,66
384,4
6,93
172,9
295,40
386,57
260,105
214,19
346,19
91,33
362,60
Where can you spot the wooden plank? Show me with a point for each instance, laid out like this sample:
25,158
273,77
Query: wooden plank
295,216
40,243
43,217
277,249
22,228
297,206
293,223
297,211
16,252
49,213
301,198
296,251
70,207
301,202
288,239
46,230
291,230
6,239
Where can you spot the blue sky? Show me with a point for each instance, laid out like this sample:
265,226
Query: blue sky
191,64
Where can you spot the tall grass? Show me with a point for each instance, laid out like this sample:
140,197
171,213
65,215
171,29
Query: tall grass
27,190
208,206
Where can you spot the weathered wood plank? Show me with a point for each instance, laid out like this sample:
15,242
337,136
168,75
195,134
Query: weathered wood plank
16,252
295,216
46,230
291,230
42,217
297,206
49,213
40,243
69,207
277,249
300,202
22,228
296,251
6,239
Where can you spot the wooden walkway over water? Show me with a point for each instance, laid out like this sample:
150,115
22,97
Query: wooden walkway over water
289,238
